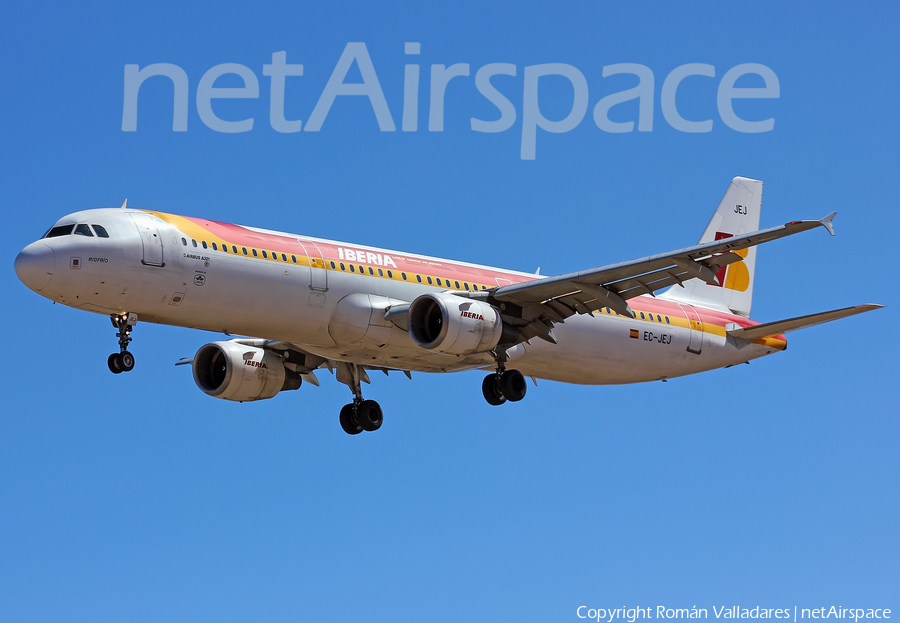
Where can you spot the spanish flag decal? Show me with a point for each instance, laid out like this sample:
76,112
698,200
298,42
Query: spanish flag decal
633,333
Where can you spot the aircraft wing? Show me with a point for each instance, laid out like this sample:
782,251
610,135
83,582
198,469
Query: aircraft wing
554,299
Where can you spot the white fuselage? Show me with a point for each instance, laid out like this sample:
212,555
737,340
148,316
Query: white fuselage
155,265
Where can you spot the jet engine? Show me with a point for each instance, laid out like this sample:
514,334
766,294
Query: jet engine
233,371
454,325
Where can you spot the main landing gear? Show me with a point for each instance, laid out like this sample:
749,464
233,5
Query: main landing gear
504,384
360,415
123,361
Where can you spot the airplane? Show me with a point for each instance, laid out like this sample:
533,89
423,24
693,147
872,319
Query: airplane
311,303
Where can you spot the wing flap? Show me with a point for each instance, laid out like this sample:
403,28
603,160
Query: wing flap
792,324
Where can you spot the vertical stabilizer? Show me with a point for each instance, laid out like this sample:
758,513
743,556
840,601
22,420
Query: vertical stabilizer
738,213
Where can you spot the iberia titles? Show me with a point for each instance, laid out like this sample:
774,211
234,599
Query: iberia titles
366,257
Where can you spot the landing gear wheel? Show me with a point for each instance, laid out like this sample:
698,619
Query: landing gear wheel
513,385
490,386
349,421
122,361
369,415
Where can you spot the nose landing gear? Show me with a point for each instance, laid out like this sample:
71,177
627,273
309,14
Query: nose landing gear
123,361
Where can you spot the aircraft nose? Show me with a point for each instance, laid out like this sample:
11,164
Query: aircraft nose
35,265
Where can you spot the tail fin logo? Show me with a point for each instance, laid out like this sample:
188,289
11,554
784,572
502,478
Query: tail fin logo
734,276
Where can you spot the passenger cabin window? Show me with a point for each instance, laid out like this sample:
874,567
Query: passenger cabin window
265,255
62,230
83,230
215,247
254,252
204,244
100,231
193,242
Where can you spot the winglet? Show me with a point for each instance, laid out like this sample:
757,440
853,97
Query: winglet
124,204
184,361
826,223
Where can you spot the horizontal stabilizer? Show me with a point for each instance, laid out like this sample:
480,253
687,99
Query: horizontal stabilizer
792,324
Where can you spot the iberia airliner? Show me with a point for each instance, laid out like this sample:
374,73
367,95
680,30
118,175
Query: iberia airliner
313,303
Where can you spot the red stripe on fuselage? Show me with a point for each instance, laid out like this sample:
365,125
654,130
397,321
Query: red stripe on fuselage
286,243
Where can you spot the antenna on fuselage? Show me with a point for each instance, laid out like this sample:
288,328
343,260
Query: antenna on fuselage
124,204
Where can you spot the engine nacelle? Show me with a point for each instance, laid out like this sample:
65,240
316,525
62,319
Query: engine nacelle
455,325
233,371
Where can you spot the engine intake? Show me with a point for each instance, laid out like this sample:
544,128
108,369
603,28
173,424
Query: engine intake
454,325
233,371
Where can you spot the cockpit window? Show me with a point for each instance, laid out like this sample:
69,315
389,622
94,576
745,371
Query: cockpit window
62,230
83,230
100,231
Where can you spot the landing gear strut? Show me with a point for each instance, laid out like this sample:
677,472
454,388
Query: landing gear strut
504,384
360,415
123,361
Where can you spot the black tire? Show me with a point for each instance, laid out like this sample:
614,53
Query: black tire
349,422
369,415
513,385
490,387
126,361
113,363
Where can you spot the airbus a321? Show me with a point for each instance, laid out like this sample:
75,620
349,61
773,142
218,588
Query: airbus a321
354,309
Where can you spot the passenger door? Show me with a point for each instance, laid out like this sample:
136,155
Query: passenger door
150,239
695,328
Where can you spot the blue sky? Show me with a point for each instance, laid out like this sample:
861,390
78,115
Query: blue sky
137,497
